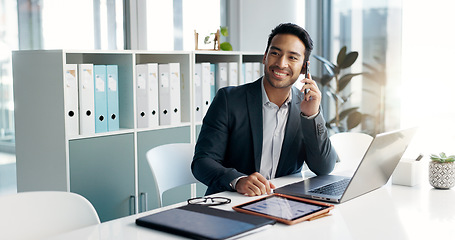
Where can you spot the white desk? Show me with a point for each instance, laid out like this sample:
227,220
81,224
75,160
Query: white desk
391,212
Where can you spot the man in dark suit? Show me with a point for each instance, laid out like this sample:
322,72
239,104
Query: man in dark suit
268,128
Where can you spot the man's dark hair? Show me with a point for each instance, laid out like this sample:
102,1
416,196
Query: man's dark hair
291,28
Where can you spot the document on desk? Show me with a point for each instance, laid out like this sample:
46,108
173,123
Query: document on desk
202,222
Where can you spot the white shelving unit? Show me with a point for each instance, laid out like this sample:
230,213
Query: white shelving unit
109,169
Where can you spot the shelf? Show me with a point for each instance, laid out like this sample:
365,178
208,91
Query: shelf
110,169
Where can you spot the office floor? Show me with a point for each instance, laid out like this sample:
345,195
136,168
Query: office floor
8,184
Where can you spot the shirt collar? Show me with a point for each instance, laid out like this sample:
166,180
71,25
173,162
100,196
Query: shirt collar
265,98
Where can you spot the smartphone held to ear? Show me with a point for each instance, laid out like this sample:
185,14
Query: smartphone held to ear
304,74
307,74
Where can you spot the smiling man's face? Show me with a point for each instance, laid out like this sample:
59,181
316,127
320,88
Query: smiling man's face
283,60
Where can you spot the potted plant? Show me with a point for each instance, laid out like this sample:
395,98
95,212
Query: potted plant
442,171
345,118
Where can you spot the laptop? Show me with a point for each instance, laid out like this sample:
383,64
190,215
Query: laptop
375,169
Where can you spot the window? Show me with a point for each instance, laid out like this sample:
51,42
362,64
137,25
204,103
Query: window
373,29
171,23
427,97
51,24
8,42
66,24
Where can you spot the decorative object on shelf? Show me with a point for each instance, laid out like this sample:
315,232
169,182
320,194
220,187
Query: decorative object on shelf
345,119
225,46
212,41
442,171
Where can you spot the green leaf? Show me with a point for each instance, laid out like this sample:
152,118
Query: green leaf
226,46
341,56
224,31
330,66
334,96
325,80
354,119
207,40
443,158
345,80
349,60
346,112
346,98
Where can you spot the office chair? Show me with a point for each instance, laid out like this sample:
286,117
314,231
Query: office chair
171,166
350,147
38,215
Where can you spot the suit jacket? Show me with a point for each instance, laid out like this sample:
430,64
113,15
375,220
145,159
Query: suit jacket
230,142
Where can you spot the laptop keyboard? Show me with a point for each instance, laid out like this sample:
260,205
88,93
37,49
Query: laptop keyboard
335,188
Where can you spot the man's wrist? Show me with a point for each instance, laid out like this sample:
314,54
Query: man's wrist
233,183
309,117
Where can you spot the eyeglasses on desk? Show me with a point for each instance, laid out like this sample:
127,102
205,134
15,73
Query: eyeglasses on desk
209,201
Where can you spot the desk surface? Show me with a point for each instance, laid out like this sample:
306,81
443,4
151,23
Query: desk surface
391,212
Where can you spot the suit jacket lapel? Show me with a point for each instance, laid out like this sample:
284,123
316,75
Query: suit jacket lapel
254,103
292,127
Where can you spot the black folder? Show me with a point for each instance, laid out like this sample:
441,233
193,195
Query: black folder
202,222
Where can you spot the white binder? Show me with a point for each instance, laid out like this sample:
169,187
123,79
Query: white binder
163,90
71,100
221,75
113,120
86,99
256,71
212,81
206,87
100,82
198,92
242,75
248,72
174,91
141,96
233,74
152,95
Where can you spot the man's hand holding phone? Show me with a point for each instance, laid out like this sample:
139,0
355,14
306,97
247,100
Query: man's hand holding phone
310,105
